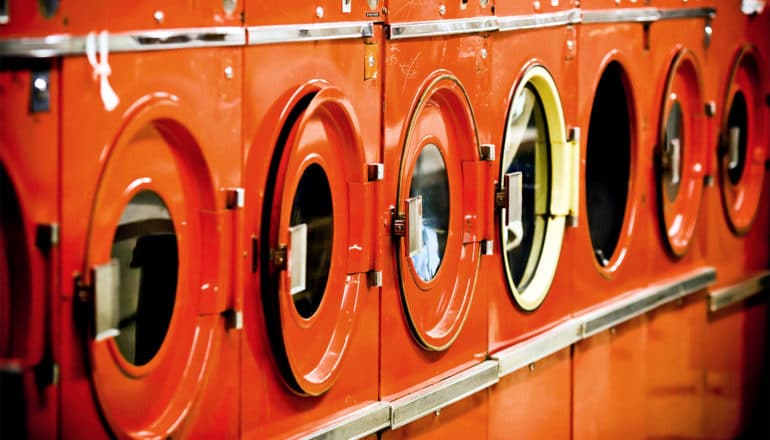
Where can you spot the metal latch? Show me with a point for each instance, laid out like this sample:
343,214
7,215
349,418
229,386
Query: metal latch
510,199
235,198
487,152
298,258
46,236
106,290
410,225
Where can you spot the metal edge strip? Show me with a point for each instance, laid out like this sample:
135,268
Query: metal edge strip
631,15
726,296
297,33
444,393
438,28
138,41
538,21
644,301
673,14
537,348
357,424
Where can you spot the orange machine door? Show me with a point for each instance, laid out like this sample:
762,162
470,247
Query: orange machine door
681,153
314,259
743,142
436,214
152,256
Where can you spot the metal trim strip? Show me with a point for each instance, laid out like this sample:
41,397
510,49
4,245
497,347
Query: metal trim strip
139,41
645,300
438,28
644,15
726,296
357,424
538,21
444,393
297,33
539,347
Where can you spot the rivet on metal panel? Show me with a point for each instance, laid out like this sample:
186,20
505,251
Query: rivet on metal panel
319,12
536,5
613,330
438,412
159,16
442,10
235,198
487,152
710,109
532,366
484,54
375,171
229,72
374,278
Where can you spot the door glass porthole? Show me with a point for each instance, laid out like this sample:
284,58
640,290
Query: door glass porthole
533,216
312,207
608,164
430,182
145,248
681,154
743,143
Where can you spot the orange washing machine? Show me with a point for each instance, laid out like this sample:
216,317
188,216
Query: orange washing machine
436,122
142,164
529,279
678,139
613,240
737,83
29,231
312,171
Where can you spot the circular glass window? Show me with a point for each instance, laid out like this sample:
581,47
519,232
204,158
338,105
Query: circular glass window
737,126
608,163
312,206
430,180
145,247
527,152
673,139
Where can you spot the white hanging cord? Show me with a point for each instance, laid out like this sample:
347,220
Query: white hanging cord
102,68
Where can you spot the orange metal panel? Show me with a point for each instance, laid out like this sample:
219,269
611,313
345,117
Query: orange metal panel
467,418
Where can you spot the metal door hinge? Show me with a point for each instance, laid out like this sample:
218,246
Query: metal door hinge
47,373
487,152
374,278
47,236
235,198
375,171
487,247
711,109
409,225
233,319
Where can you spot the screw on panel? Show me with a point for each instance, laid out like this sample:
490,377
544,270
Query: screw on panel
40,97
536,5
229,72
532,366
708,32
319,12
442,10
159,16
484,54
229,5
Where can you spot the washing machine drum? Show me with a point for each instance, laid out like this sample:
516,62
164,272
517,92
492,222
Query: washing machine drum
152,254
436,220
316,252
743,143
681,153
534,198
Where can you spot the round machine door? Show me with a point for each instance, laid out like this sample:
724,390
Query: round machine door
608,169
313,267
534,186
743,142
152,253
435,219
681,153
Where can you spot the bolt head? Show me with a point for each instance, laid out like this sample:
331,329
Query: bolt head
319,12
229,72
159,16
40,85
442,10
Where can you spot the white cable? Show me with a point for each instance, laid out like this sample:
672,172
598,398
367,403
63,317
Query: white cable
102,69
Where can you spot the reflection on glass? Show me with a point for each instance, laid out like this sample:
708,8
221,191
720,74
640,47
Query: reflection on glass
674,135
737,122
430,180
526,150
312,206
145,246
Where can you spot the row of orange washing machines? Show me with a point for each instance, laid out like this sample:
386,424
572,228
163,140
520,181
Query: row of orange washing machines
340,219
